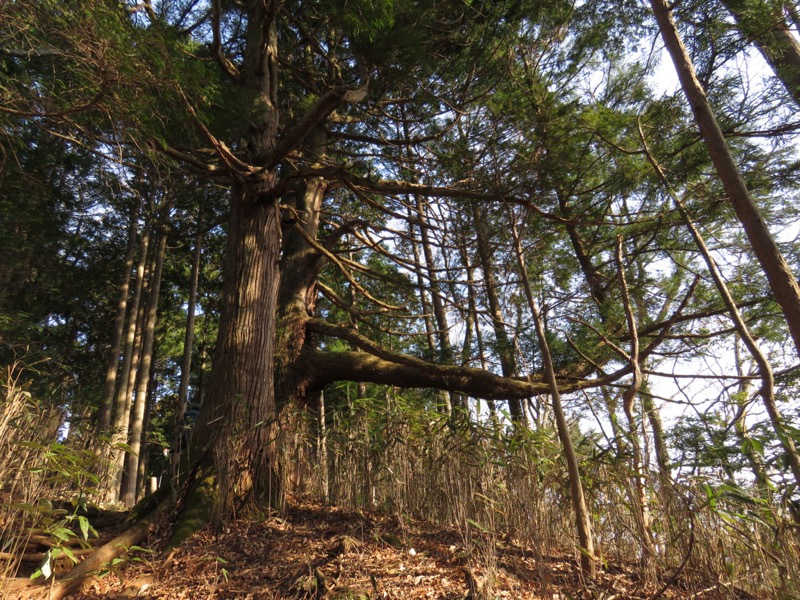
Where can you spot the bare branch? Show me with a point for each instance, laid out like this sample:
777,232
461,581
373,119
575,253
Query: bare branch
379,365
216,44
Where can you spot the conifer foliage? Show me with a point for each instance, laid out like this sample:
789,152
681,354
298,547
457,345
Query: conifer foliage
474,262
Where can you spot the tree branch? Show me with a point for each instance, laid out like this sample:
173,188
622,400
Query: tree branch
216,44
327,103
379,365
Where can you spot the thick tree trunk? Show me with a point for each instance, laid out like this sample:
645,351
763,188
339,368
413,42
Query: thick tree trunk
768,30
780,277
234,439
234,442
300,265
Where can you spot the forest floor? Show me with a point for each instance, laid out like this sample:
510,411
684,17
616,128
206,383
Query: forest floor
316,551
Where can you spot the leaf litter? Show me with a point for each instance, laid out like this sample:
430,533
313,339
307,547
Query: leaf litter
316,551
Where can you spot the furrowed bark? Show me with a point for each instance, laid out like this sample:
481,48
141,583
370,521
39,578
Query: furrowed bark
235,435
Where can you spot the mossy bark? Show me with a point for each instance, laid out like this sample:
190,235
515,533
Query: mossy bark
198,508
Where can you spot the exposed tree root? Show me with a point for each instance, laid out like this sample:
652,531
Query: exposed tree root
101,557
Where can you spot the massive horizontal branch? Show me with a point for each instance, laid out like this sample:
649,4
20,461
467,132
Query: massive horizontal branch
379,365
365,367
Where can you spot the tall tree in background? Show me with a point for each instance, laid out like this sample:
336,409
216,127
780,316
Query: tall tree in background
360,153
763,22
780,276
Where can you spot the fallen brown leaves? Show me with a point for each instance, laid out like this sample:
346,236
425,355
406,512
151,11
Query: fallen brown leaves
316,552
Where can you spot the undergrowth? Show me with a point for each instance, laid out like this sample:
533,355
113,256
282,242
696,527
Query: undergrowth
497,486
44,483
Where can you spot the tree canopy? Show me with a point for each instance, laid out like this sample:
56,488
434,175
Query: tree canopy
248,247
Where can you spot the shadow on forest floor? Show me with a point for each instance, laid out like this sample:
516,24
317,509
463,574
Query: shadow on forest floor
316,551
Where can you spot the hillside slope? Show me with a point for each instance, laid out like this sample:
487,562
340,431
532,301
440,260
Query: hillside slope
316,551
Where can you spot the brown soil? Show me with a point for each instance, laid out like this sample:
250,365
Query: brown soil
317,551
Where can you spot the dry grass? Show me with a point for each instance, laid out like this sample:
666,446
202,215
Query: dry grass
504,496
495,488
26,429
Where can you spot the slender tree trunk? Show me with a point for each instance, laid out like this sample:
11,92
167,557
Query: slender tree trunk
767,29
767,391
442,327
322,447
181,429
472,302
742,398
106,405
458,399
780,277
629,395
130,393
442,331
610,400
505,346
144,456
594,279
188,338
442,398
127,375
582,515
470,313
657,428
423,294
128,494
